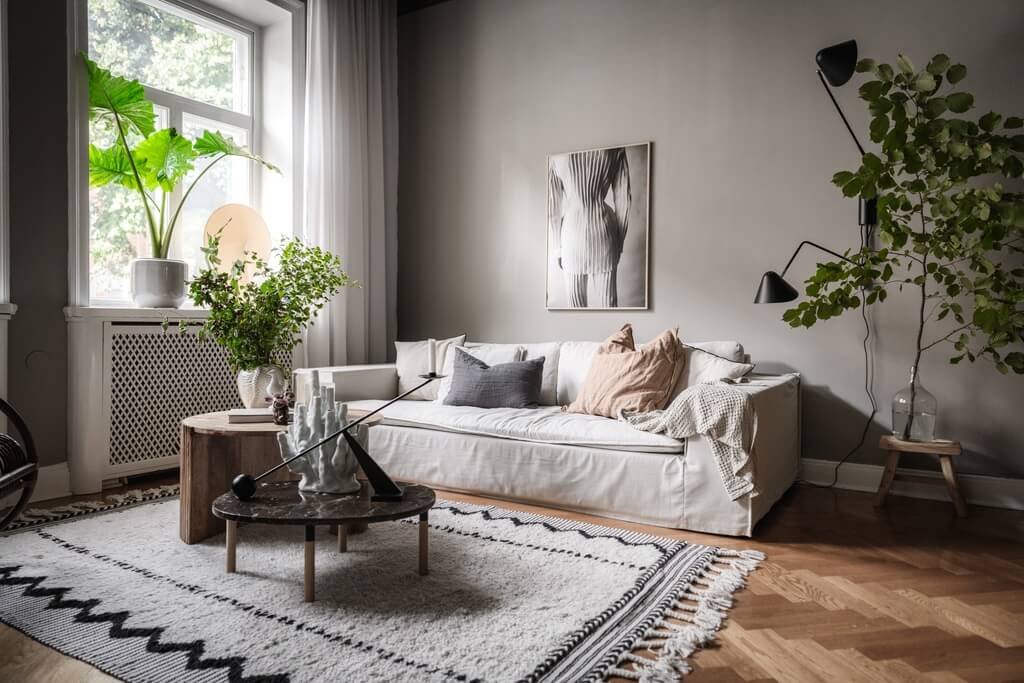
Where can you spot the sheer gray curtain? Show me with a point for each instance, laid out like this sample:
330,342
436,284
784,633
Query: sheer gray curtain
351,172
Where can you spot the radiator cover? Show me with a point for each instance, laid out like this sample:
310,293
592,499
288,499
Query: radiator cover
154,379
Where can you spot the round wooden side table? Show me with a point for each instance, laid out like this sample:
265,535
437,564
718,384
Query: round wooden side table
213,452
283,503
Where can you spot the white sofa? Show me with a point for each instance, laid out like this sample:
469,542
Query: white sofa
570,461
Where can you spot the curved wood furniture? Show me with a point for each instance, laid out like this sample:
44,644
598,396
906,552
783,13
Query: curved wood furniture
19,464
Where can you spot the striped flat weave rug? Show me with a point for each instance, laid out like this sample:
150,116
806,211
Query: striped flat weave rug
511,596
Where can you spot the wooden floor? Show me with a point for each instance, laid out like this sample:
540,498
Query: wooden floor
848,593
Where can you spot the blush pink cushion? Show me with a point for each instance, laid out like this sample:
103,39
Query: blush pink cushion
623,377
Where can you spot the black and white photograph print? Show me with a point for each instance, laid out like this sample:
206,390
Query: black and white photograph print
598,228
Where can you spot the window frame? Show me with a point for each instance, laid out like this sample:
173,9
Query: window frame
79,294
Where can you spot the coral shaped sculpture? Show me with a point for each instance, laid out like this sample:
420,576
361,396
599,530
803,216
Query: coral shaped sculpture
332,467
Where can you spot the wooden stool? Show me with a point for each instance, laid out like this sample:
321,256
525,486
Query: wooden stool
943,450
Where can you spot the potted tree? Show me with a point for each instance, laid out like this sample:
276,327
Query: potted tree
152,163
951,232
258,309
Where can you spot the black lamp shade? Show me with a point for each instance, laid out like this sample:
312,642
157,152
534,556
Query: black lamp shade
837,62
774,290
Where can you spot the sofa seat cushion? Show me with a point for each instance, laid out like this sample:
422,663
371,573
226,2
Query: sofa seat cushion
547,425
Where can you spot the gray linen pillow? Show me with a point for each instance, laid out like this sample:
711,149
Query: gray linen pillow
505,385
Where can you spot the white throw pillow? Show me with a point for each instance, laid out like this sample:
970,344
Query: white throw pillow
573,362
703,367
492,354
412,359
549,384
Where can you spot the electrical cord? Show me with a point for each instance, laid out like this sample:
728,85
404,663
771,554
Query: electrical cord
869,378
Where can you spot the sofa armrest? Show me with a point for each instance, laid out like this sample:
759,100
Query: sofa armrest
776,447
351,382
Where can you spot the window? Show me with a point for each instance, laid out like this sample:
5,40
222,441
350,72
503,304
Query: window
198,71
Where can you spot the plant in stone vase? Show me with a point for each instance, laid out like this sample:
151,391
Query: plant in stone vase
152,163
258,310
951,232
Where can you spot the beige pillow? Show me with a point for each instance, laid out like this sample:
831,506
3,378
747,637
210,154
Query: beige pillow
623,377
412,359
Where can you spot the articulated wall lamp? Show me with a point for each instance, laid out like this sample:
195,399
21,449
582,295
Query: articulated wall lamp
836,65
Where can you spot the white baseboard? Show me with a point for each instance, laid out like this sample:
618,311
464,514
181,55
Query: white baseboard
54,482
977,489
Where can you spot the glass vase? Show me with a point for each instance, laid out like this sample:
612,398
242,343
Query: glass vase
913,411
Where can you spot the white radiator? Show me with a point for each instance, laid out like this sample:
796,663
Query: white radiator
149,380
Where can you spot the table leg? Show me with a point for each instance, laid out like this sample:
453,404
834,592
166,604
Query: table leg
888,474
342,538
231,540
423,543
308,579
954,489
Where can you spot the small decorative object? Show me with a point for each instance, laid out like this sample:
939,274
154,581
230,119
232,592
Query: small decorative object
950,229
254,317
913,411
280,404
160,160
330,467
244,485
598,216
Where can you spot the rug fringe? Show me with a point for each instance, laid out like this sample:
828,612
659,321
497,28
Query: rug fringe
701,608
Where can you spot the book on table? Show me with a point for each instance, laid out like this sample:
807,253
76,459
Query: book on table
245,415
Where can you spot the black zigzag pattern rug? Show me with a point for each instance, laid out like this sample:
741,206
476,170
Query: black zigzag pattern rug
511,596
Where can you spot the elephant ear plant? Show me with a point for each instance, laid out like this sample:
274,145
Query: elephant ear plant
157,161
951,232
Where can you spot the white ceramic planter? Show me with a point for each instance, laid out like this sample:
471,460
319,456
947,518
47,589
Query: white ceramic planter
256,386
158,282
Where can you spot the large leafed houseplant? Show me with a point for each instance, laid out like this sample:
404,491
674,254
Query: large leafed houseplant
152,163
951,227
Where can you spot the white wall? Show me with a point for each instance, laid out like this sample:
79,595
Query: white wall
745,142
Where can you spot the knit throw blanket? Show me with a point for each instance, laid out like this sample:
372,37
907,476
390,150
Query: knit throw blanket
722,413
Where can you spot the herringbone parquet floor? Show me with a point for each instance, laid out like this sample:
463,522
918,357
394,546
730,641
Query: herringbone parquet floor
848,593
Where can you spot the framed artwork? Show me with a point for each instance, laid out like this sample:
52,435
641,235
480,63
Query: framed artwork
598,216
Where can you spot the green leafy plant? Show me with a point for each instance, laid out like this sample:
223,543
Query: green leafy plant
257,309
950,231
156,162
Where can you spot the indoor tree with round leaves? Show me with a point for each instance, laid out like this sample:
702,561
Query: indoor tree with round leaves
951,231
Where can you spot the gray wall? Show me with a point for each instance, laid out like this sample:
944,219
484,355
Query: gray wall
38,367
745,143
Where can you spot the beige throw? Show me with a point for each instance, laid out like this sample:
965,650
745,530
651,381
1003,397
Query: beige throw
722,413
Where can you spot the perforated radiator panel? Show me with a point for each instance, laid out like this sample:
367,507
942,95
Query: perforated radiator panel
155,380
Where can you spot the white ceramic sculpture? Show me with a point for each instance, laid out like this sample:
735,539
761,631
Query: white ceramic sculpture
331,468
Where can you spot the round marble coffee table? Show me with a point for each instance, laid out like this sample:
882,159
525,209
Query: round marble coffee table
283,503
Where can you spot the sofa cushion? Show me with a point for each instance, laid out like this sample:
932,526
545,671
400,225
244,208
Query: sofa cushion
623,376
505,385
549,385
546,425
574,360
492,354
412,359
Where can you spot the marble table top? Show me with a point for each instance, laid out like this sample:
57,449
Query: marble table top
282,503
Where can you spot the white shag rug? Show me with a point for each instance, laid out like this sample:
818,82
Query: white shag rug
511,596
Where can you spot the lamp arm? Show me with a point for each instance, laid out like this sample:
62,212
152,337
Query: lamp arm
817,246
821,77
350,425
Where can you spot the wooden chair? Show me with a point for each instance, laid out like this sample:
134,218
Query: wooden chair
19,465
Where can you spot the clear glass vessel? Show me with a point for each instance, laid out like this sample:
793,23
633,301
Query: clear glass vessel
913,411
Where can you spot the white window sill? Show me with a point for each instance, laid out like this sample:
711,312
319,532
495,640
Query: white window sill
132,313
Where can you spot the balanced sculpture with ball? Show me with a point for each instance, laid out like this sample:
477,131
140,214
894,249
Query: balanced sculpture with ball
332,467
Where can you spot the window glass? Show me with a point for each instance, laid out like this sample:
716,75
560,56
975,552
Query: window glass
161,46
228,181
117,225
